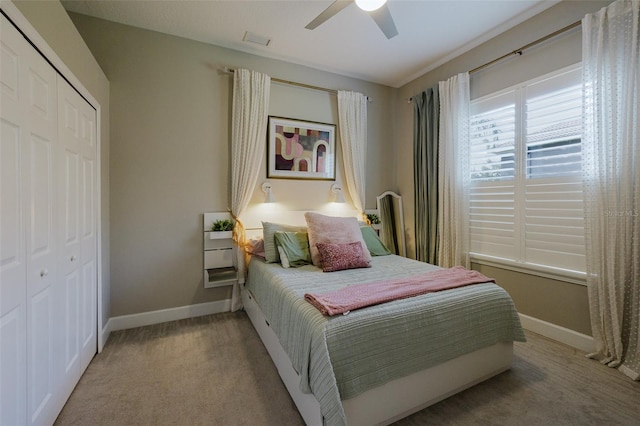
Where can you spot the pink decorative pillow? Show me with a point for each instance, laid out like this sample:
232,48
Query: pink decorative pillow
255,246
329,229
337,257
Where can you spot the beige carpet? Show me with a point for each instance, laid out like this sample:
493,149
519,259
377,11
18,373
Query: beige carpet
213,370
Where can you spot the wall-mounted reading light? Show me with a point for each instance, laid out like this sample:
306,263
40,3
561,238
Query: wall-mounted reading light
268,195
337,190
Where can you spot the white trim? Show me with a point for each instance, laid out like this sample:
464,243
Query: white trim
106,332
560,334
172,314
527,14
40,43
557,274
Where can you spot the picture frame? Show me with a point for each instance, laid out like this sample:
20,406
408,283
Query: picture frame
301,149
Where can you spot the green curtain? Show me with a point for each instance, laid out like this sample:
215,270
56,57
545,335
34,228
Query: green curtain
426,129
388,233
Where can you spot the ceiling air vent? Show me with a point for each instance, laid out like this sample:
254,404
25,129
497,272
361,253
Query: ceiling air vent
257,39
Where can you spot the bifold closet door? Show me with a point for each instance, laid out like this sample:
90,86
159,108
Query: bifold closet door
48,235
28,324
76,213
13,263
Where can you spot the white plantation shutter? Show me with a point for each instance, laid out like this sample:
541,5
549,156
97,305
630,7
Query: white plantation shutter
554,223
492,219
492,211
554,212
554,126
526,193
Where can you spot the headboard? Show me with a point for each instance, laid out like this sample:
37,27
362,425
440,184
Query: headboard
274,212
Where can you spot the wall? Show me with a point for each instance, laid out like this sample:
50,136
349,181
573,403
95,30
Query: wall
554,301
170,131
52,23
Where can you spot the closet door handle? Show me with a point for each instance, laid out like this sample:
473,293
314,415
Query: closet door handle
73,258
44,273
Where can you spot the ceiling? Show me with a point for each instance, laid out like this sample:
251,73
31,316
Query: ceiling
431,32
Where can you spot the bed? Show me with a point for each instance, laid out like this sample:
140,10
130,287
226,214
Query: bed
383,362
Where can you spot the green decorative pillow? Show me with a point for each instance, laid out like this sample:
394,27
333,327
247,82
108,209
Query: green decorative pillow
269,229
371,239
293,248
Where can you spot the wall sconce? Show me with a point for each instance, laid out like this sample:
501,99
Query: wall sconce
268,195
337,189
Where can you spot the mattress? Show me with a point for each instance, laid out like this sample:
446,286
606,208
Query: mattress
340,357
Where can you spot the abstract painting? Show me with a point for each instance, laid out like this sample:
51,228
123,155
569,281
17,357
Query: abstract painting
301,149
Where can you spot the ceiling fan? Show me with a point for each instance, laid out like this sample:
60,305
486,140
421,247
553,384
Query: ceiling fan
378,10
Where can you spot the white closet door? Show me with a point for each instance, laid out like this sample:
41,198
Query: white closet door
77,232
88,232
34,129
48,234
13,265
67,348
43,402
40,134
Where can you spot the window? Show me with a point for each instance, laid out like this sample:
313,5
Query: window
561,158
526,190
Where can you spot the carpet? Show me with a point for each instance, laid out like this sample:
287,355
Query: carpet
214,370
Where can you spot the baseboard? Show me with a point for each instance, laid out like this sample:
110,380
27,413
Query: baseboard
106,331
552,331
563,335
172,314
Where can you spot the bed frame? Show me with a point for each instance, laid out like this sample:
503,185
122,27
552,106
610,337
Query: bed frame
395,399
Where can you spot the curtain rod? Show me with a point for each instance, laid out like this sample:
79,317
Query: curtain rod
295,83
523,48
527,46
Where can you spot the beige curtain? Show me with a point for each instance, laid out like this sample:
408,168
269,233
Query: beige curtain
453,172
352,115
249,127
611,178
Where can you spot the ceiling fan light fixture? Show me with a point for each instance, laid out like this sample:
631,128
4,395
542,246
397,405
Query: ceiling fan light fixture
370,5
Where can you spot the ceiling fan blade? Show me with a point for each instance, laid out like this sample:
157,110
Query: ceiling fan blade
384,20
334,8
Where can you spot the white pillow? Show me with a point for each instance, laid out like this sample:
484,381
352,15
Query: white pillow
334,230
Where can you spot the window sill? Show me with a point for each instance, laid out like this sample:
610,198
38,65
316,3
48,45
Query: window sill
574,277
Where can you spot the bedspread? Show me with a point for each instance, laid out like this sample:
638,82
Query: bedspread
341,357
359,296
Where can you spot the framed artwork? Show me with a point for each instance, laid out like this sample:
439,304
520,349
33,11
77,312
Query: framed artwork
301,149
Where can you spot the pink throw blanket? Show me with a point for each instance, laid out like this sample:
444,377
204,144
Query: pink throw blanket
361,295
